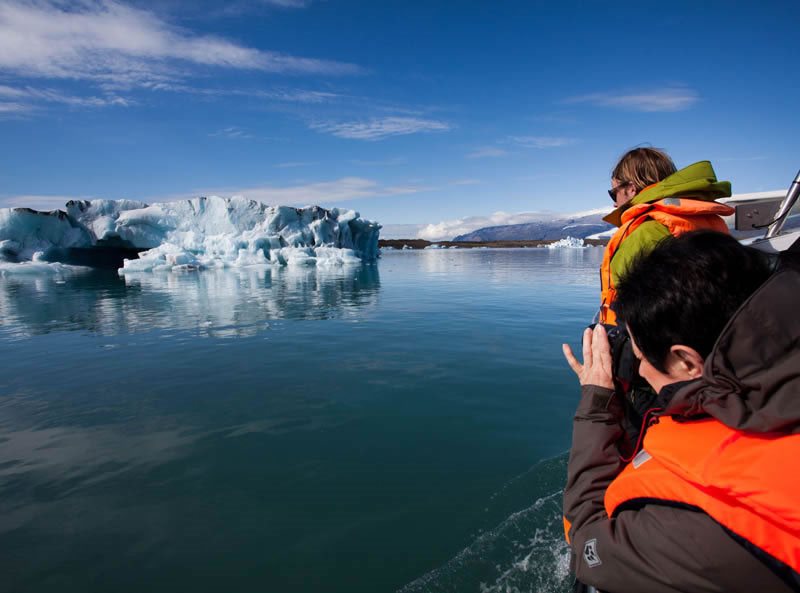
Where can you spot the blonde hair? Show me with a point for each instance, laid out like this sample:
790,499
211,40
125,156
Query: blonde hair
643,166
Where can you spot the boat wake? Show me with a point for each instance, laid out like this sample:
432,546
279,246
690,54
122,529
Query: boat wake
524,553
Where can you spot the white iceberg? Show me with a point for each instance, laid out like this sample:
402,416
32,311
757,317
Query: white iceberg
566,243
192,234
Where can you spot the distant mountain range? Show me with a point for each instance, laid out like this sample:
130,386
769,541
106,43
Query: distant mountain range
548,228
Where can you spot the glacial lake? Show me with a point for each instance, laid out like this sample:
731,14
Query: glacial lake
396,426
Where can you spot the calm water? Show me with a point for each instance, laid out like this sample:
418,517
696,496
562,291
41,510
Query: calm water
396,426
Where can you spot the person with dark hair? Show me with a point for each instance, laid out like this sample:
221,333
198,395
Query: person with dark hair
709,499
654,200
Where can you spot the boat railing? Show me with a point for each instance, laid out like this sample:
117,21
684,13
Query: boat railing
761,218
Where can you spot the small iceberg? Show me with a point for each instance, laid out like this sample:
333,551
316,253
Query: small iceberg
567,243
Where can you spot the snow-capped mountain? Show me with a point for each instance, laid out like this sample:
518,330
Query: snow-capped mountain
546,228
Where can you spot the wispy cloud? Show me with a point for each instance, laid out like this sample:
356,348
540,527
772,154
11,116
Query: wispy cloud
466,182
487,152
321,192
675,98
526,142
540,141
378,129
11,107
231,132
26,98
295,95
107,41
287,95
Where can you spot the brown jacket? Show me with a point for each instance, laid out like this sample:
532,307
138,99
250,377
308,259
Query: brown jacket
751,382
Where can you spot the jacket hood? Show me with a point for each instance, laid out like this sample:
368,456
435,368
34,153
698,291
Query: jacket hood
697,181
751,379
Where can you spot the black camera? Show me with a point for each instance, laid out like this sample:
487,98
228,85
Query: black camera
624,364
636,395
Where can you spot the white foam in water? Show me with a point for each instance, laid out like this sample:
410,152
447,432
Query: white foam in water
526,553
193,234
567,243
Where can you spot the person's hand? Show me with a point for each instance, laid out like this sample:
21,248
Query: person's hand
596,367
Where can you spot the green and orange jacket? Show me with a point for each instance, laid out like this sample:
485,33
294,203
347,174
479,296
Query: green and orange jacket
682,202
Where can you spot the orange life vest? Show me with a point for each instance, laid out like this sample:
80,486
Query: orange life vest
679,215
748,483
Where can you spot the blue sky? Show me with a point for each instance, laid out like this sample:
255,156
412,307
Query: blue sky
410,112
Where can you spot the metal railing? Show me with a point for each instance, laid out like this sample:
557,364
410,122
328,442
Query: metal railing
786,206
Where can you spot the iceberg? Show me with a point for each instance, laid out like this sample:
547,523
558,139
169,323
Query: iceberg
200,233
566,243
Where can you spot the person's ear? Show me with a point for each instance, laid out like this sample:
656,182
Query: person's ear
686,361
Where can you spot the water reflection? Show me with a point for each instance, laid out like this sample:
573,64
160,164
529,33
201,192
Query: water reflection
224,303
508,266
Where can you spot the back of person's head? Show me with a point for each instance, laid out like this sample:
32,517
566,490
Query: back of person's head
643,166
685,290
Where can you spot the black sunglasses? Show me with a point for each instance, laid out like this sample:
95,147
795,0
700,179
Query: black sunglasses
612,193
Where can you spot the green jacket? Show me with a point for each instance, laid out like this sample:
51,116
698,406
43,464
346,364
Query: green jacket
697,181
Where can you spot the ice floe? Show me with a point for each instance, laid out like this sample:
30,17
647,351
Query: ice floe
566,243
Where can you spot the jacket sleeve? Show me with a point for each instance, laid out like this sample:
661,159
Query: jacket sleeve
594,459
656,548
640,241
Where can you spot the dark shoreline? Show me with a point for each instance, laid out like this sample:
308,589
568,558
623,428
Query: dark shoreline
422,243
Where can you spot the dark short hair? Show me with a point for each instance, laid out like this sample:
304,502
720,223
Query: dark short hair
685,290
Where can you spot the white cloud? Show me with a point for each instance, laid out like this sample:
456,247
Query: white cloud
14,107
466,182
295,95
287,95
378,129
540,141
27,96
107,41
487,152
446,230
676,98
321,192
231,132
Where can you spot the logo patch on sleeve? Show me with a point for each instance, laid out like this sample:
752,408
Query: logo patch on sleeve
590,553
